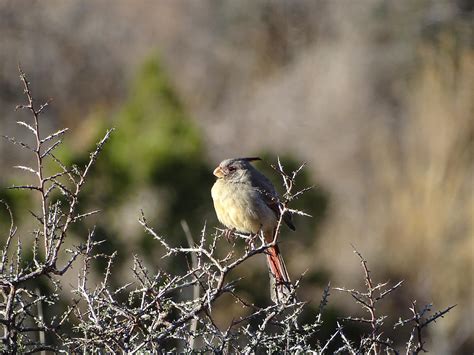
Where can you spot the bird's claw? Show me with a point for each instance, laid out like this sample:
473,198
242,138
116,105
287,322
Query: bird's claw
229,234
250,241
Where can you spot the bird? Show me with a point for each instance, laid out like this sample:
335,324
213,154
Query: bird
246,201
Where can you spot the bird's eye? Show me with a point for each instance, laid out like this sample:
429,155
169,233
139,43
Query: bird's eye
231,168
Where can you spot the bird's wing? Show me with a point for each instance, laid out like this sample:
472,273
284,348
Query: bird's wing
287,218
270,197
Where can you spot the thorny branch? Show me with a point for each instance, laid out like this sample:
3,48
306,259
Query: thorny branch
19,305
373,343
419,322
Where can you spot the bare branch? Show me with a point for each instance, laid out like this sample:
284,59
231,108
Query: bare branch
26,168
24,124
54,135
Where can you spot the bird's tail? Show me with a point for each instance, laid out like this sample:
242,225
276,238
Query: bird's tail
280,284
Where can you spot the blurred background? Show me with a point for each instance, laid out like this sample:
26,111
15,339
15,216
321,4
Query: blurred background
376,96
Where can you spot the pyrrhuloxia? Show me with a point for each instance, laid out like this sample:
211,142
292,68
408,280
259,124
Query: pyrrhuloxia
246,201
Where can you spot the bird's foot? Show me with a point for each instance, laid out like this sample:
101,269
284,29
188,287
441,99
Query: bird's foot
251,240
229,234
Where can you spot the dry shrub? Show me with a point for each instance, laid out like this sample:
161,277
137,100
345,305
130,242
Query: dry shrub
422,202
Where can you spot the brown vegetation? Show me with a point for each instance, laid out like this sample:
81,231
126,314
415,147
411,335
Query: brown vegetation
376,97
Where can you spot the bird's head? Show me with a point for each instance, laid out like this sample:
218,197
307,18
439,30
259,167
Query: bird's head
233,168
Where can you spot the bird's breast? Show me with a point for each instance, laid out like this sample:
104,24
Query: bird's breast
239,206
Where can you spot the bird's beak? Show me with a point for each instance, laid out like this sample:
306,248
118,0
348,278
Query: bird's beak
218,172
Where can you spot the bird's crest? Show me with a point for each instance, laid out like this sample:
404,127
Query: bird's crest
251,159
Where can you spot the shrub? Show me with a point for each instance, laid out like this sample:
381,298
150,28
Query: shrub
163,310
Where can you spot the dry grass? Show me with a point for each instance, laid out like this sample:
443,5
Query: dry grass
419,210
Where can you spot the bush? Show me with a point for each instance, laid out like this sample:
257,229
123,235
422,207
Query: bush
163,310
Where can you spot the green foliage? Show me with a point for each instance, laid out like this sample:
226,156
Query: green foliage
158,145
155,148
153,129
17,201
